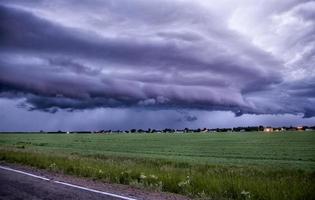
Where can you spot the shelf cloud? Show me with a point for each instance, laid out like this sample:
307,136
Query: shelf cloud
157,55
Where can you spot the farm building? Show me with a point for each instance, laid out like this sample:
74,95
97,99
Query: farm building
268,129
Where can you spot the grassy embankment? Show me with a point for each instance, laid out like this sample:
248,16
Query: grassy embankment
208,166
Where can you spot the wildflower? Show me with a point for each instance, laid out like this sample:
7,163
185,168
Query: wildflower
246,194
52,166
142,176
153,176
184,183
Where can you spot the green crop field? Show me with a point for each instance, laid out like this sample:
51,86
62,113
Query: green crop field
207,166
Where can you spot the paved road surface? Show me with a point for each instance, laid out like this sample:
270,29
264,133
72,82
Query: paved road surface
19,186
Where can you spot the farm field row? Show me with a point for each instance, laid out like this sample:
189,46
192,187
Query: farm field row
205,166
289,149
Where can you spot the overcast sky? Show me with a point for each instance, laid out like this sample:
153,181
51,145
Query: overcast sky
120,64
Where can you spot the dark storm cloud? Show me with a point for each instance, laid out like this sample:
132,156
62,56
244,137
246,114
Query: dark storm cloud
288,97
139,55
41,36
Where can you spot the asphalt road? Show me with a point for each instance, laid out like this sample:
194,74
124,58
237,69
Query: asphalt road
19,186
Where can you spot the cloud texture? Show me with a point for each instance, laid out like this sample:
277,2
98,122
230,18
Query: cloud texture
159,54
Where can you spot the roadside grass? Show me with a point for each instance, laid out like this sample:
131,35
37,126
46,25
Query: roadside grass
200,181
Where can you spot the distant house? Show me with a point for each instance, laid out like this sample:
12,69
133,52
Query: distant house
300,128
179,131
268,129
205,130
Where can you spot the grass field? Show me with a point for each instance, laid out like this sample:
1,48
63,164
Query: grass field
207,166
